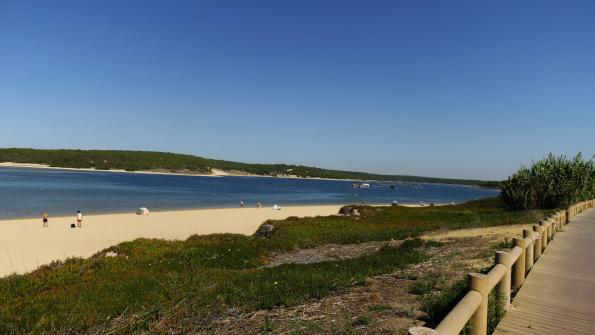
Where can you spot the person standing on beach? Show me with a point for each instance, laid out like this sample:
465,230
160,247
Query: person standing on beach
45,217
79,219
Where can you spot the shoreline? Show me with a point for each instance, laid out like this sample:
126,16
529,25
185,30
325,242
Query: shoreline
173,210
48,167
216,172
219,173
25,244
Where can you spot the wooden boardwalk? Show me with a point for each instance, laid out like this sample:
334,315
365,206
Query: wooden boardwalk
558,296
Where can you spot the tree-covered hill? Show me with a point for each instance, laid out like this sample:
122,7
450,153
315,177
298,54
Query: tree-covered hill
171,162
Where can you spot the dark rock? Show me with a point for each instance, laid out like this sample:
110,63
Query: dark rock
266,230
350,210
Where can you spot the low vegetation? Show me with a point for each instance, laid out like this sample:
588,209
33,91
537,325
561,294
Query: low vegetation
394,222
149,285
550,183
438,305
170,162
424,286
158,286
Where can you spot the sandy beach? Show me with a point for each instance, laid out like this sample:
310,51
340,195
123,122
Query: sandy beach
214,172
25,244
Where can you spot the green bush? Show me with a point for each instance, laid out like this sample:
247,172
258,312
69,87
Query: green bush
438,305
550,183
361,320
423,287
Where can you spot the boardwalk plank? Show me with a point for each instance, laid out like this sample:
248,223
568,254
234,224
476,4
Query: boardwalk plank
559,312
552,319
559,293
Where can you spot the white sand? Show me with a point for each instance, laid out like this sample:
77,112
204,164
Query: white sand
214,172
25,244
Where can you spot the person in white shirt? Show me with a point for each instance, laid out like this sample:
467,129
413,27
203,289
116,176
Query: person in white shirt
79,219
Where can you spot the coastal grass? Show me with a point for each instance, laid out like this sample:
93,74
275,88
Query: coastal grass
79,294
394,222
550,182
438,305
153,284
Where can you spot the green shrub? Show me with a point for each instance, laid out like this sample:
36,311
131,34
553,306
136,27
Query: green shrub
424,286
437,306
361,320
394,222
550,183
421,287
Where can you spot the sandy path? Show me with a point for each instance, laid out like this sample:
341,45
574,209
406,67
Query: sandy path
510,230
25,244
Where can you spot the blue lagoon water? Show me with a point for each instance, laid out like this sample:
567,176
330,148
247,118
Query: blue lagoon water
26,192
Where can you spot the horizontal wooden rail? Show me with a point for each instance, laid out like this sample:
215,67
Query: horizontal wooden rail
454,322
509,272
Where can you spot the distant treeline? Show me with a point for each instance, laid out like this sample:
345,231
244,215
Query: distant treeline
170,162
550,183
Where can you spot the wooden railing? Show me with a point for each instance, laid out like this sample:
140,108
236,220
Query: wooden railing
508,273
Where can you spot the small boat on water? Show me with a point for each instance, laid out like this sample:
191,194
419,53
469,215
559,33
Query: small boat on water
362,185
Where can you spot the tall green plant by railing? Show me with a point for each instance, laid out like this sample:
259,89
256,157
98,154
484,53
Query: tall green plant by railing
550,183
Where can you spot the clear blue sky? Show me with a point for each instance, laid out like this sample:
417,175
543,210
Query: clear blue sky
468,89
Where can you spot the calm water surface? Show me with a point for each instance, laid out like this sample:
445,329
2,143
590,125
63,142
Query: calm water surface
29,192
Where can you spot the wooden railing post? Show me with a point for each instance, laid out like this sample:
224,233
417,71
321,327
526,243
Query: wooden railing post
508,273
518,269
557,227
550,229
538,241
479,321
548,233
527,235
503,288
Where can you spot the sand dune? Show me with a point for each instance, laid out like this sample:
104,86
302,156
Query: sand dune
25,244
